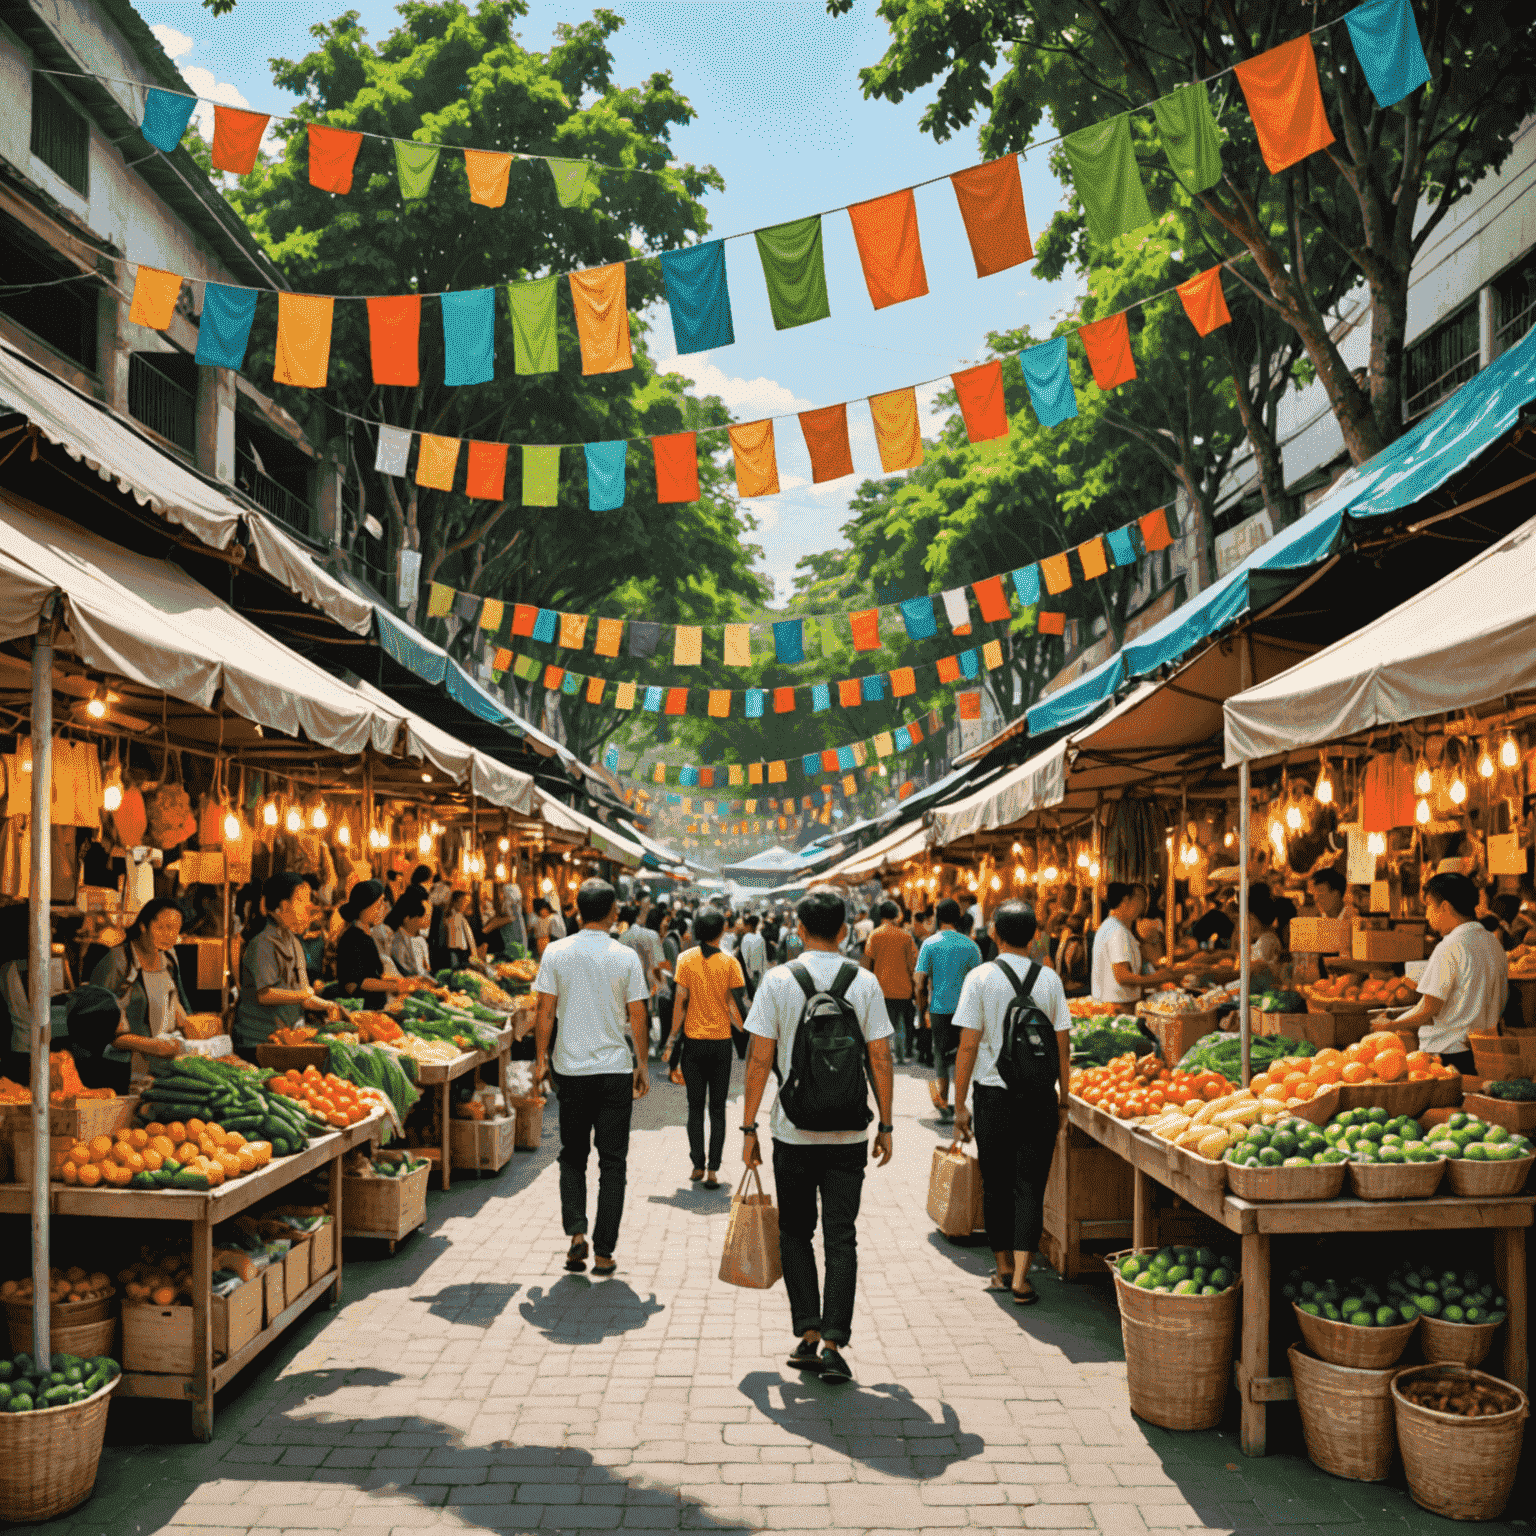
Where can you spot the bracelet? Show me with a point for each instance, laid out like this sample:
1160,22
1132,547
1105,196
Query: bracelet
886,1130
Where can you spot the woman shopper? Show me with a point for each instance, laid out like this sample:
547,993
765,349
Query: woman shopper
410,918
1015,1130
710,993
142,974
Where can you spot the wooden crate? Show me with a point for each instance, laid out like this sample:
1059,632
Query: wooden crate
528,1135
1389,945
287,1058
21,1152
1526,991
482,1145
157,1340
236,1318
1322,1029
1087,1200
1322,935
91,1117
1176,1032
275,1288
1503,1056
296,1270
388,1209
322,1250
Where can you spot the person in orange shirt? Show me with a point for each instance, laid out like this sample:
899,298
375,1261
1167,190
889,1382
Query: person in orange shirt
892,955
710,1002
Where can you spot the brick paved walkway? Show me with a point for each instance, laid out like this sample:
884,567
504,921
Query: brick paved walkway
468,1384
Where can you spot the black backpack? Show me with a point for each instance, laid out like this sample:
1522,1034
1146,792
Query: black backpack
829,1061
1026,1060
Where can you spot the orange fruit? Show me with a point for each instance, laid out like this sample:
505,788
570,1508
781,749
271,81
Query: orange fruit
1390,1065
1365,1050
1259,1083
1419,1059
1306,1088
1329,1057
1355,1072
1326,1076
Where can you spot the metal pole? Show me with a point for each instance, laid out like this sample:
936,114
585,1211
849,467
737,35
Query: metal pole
40,967
1243,1022
1098,852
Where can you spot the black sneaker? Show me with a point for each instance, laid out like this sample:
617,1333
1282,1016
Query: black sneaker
806,1356
834,1368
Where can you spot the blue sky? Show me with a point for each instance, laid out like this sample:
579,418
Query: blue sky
781,116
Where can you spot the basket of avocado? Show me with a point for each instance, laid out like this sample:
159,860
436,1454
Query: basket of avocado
1289,1160
1178,1320
52,1423
1483,1159
1510,1102
1459,1313
1354,1322
1389,1156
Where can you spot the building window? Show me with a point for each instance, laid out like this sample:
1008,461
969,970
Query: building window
60,137
1441,362
162,393
1514,304
62,314
273,472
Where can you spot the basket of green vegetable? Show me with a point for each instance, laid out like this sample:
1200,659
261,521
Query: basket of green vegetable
1096,1042
1510,1103
1484,1159
1223,1053
51,1431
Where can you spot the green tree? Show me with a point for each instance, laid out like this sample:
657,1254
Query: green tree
1359,212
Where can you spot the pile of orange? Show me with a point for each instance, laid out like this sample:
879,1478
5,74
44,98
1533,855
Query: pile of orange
1132,1086
1378,1058
332,1097
1372,991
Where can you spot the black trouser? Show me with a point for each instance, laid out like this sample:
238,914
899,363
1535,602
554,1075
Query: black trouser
1015,1141
946,1043
707,1071
594,1108
924,1038
899,1011
800,1174
1462,1060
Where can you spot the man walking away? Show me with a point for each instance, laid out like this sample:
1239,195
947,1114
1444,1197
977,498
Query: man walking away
753,954
943,963
1009,1011
821,1024
598,988
890,953
641,938
710,999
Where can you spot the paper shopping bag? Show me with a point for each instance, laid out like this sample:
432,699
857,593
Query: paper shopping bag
954,1191
751,1256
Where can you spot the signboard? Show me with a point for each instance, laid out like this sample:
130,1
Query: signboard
1236,544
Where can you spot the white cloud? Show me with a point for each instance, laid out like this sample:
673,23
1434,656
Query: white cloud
175,43
202,81
746,399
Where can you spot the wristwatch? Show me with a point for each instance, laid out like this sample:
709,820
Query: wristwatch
750,1130
886,1130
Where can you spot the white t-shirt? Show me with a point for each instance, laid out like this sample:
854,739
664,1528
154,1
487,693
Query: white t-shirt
727,942
1114,944
862,929
593,979
1469,972
754,953
984,999
775,1015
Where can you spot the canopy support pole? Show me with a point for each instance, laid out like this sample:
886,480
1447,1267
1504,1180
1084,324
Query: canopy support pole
1244,1018
40,965
1098,852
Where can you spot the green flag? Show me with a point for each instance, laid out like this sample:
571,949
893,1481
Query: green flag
570,180
535,337
541,476
1187,128
828,636
414,164
527,668
1107,180
794,271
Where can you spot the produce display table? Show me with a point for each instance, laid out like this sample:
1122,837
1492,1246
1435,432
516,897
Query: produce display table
439,1074
203,1210
1256,1222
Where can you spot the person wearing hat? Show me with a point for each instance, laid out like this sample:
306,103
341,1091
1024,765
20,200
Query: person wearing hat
359,965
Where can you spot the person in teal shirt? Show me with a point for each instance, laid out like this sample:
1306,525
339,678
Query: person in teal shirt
943,963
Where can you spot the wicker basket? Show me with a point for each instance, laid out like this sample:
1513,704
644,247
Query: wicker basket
1319,1181
69,1314
1395,1098
48,1457
1463,1469
1178,1352
1396,1181
1319,1110
1456,1343
1362,1349
1482,1179
1506,1055
84,1339
1506,1112
1446,1093
1346,1416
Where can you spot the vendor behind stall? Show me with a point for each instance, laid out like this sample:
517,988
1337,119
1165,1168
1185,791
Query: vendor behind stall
410,917
360,967
274,982
1117,973
1465,982
142,974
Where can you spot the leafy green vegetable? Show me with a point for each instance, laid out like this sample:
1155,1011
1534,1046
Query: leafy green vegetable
1518,1090
1097,1044
1223,1052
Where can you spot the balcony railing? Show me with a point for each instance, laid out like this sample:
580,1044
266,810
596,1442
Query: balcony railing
161,403
270,495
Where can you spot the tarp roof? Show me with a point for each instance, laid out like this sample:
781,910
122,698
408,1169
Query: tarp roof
1463,643
898,845
604,839
768,859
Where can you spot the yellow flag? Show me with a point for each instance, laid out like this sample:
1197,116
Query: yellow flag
687,645
738,645
439,601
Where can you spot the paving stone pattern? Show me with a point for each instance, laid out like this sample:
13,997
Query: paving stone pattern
469,1384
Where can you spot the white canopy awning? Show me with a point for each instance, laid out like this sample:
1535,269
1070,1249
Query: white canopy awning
608,842
908,841
1034,785
1463,643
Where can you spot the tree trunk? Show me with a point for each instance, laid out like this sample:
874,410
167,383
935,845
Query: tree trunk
1280,504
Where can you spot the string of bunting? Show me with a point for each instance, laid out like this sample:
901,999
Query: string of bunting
1280,87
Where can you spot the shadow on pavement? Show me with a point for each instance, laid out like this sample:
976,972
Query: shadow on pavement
878,1425
477,1304
694,1197
578,1310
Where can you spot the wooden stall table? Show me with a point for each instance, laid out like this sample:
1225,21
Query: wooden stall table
1256,1222
439,1074
203,1210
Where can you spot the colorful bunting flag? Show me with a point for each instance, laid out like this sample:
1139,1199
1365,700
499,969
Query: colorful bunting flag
687,645
394,330
469,325
720,703
991,659
605,475
917,616
332,156
757,465
677,701
1053,624
738,645
991,600
492,610
897,434
439,600
224,328
535,333
821,698
991,200
609,633
1026,582
624,696
903,682
884,746
873,687
778,772
949,669
1154,530
541,476
794,271
1057,572
166,116
1186,126
393,451
1107,180
652,702
236,139
303,339
595,687
866,629
1286,103
969,666
753,708
789,642
436,460
1386,41
602,318
544,626
783,701
1108,345
890,248
154,298
570,178
849,693
486,476
573,631
414,165
699,297
957,610
826,440
1091,554
644,636
979,392
488,172
1204,302
1121,546
676,457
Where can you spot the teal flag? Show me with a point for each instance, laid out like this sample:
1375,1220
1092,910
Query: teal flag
1187,128
1107,180
414,165
795,272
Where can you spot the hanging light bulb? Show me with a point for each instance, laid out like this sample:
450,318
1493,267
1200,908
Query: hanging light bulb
96,708
269,813
1421,812
293,821
424,842
112,796
1375,844
1229,839
1093,870
1018,852
1018,873
318,819
501,871
997,882
1458,789
231,827
24,752
505,844
437,829
1423,780
1324,791
1293,817
1082,861
344,835
1485,763
1048,874
1509,753
1277,838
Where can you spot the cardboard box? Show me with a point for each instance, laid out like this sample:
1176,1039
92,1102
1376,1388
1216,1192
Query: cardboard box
322,1250
385,1208
275,1288
1321,935
157,1339
483,1145
1387,946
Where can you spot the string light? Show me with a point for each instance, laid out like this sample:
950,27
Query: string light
269,813
1509,753
318,819
1375,843
1018,873
1277,838
231,827
97,707
1229,839
426,778
112,796
505,845
424,842
997,882
344,835
1458,790
1423,781
1082,861
437,830
1018,851
293,821
1324,790
1093,870
501,871
1485,763
1048,874
1421,812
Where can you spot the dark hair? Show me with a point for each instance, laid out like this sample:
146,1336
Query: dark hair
822,913
1456,889
149,912
594,900
948,911
421,874
751,921
709,924
362,896
1262,905
455,898
653,918
280,888
628,912
964,923
1117,893
412,903
1014,923
888,911
1331,878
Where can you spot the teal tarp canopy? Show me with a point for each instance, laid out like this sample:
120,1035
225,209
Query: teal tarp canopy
1405,472
411,650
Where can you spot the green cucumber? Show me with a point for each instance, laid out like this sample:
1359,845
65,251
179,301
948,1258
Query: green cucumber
190,1178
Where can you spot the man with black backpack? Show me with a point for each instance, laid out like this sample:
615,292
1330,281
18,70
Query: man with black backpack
820,1023
1015,1042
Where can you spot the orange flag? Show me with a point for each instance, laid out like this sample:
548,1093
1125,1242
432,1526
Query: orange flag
303,339
595,686
236,138
1057,572
609,632
949,669
826,439
553,677
778,772
1092,555
487,475
980,393
866,629
969,705
487,171
783,701
896,430
1204,302
436,461
677,701
394,333
849,693
720,702
890,250
677,466
1052,624
154,297
991,202
829,760
990,599
602,318
1286,103
332,154
1108,345
1154,530
903,682
757,467
573,631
